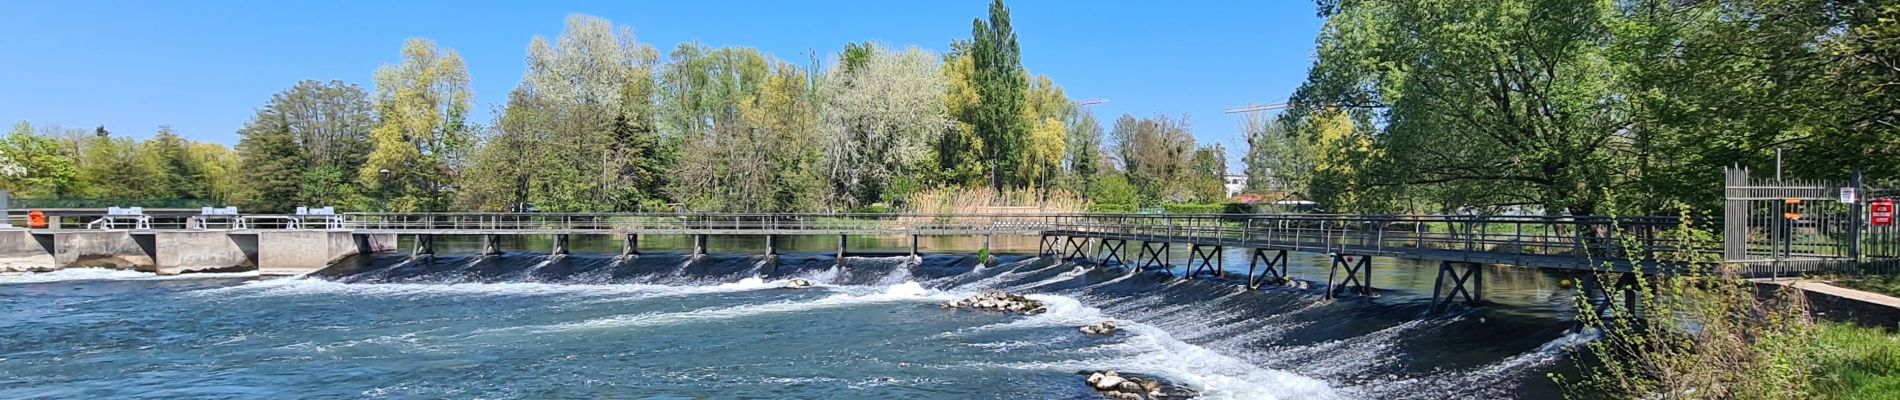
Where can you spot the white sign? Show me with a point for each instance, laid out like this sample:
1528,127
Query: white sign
1848,196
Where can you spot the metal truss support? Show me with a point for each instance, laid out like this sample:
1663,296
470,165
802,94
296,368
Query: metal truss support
1354,266
1111,251
1211,260
1468,284
1152,255
1275,271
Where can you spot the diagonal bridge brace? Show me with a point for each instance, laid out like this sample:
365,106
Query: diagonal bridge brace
1210,261
1077,250
1254,281
1114,250
1152,256
1354,266
1469,284
1049,246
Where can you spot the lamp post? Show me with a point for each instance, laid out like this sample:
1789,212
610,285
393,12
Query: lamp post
383,188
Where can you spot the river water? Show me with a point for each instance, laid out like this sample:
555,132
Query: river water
666,325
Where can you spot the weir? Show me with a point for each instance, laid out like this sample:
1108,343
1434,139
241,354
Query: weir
276,244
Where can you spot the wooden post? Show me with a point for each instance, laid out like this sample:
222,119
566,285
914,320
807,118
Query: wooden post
699,244
913,245
631,245
771,245
560,245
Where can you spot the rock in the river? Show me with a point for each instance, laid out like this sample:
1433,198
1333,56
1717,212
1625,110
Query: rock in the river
995,300
1103,328
1117,387
1109,381
796,283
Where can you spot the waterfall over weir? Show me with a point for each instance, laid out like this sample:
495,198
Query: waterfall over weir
717,325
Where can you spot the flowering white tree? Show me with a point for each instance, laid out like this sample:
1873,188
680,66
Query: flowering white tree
882,112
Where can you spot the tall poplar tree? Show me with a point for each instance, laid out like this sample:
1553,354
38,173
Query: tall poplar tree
1001,87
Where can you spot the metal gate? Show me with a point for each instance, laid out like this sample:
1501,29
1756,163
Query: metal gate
1774,226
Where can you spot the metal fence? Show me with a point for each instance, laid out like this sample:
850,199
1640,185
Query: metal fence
1787,226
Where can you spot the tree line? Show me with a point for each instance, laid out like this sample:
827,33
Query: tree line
1550,106
603,122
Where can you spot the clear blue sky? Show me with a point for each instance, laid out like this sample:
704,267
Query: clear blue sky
205,66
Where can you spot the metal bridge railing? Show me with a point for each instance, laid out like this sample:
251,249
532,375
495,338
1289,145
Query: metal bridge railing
1584,237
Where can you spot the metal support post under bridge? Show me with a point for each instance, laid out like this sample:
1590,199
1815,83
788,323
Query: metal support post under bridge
1077,250
1211,261
1113,250
1271,274
424,247
1469,284
1152,256
1354,265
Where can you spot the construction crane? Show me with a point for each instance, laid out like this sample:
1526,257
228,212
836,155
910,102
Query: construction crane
1251,108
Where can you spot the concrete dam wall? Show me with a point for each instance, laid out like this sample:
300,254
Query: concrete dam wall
168,252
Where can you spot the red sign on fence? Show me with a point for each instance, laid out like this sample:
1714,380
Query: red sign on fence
1882,212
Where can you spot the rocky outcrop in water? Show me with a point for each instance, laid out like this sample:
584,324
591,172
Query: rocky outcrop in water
1103,328
797,284
996,300
1115,386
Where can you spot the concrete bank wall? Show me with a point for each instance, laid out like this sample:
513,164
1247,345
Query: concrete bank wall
21,250
189,251
113,249
298,252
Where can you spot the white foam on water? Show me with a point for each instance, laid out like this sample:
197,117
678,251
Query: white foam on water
107,274
1146,349
904,292
991,281
1065,275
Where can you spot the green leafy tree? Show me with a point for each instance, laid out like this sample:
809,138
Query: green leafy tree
421,135
44,168
1208,179
579,132
1084,160
744,127
1154,155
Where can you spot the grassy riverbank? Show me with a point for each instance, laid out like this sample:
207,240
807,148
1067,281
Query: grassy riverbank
1855,362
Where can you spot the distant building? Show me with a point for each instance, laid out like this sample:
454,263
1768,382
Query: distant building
1235,184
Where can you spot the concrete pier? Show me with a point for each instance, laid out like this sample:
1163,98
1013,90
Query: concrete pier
298,252
191,251
21,250
105,248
